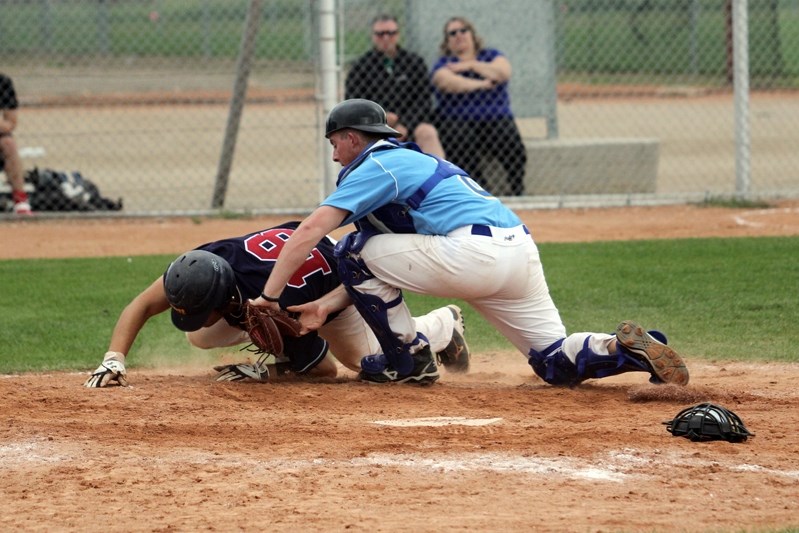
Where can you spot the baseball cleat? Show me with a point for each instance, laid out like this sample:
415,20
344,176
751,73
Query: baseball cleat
666,365
455,357
425,371
23,209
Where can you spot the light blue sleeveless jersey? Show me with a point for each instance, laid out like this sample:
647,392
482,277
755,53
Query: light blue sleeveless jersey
392,175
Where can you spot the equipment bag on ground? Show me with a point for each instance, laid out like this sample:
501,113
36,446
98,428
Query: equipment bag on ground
66,191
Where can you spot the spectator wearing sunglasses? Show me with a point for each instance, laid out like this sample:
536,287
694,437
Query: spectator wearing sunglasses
470,84
397,80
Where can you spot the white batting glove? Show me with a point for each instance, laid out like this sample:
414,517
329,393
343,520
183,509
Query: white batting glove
112,370
257,372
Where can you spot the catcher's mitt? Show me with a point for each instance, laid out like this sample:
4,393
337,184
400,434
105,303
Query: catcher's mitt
706,421
267,327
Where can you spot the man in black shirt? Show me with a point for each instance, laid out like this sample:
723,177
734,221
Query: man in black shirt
398,80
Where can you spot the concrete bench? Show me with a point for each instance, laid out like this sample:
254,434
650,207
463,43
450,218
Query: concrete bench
585,166
591,166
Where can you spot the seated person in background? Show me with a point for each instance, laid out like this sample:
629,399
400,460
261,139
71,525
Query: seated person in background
205,289
470,84
398,81
10,161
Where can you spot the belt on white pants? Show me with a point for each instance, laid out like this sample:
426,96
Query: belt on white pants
503,234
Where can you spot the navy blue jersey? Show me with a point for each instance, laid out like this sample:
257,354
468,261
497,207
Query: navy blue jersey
252,258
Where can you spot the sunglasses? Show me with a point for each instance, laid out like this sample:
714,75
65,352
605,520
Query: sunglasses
453,33
390,33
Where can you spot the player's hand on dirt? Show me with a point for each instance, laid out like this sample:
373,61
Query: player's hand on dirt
110,372
312,316
237,372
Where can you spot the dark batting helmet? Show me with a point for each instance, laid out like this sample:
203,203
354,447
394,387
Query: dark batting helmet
358,114
196,284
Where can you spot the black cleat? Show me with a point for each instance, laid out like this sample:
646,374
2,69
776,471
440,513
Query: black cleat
425,371
455,357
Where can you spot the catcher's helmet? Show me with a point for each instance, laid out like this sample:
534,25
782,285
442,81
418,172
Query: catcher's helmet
197,283
358,114
707,421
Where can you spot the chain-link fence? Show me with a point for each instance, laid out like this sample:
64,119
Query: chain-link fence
136,96
614,100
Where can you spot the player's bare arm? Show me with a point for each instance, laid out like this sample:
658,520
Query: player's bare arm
450,82
314,314
498,70
318,224
150,302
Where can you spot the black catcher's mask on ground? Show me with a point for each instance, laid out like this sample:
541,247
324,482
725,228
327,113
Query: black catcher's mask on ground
707,421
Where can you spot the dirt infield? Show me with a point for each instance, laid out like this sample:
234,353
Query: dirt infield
122,237
493,450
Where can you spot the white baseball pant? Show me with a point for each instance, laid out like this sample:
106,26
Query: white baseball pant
500,275
348,336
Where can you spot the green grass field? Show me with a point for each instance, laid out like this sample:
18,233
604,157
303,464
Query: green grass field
727,299
683,39
675,37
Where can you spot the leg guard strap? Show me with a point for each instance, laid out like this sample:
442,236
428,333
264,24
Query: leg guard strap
593,365
353,272
553,366
375,313
351,268
377,363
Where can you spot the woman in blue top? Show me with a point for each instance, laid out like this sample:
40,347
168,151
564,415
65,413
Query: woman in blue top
470,84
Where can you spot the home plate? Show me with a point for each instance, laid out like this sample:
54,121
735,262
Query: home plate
434,421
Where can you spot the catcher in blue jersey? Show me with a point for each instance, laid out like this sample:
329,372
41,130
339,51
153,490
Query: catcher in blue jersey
426,226
206,288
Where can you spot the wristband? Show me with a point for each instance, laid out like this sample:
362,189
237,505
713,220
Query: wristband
116,356
269,298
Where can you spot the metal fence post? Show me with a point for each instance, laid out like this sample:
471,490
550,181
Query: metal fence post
246,52
329,72
741,97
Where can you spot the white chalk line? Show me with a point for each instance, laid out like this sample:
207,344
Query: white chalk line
615,466
438,421
743,218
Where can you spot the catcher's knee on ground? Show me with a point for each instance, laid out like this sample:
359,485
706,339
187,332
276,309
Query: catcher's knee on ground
552,365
